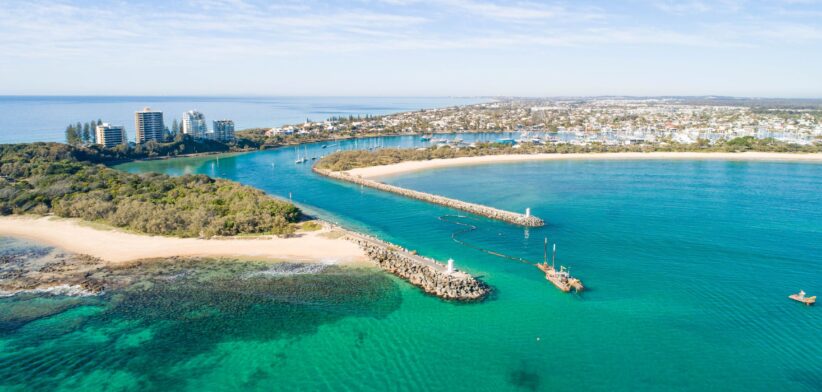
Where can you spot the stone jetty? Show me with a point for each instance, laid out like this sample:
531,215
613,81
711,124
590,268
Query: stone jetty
428,274
478,209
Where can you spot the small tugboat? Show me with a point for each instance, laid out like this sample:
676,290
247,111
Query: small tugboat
802,298
562,279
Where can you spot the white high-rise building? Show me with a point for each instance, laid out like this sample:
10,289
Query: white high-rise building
149,125
194,124
110,135
223,130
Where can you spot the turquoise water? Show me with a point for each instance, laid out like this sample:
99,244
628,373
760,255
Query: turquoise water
688,265
44,118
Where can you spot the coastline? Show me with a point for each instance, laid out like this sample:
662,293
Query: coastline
91,249
115,246
373,172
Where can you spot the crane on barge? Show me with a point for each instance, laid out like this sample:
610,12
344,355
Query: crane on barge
561,278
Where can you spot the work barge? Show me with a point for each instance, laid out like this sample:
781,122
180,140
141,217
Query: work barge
526,219
561,278
438,279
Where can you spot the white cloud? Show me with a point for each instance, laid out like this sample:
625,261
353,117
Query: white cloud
64,31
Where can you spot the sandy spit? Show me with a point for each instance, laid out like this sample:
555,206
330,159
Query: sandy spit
117,246
411,166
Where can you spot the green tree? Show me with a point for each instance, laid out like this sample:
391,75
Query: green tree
71,135
86,136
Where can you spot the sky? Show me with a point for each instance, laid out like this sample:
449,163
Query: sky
412,48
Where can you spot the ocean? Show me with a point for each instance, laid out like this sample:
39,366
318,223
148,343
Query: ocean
687,265
44,118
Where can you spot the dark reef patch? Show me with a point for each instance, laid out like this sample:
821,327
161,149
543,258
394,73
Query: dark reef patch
155,315
524,378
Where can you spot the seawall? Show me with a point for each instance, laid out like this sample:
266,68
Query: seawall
478,209
428,274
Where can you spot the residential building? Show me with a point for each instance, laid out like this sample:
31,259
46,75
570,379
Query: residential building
110,135
223,130
149,125
194,124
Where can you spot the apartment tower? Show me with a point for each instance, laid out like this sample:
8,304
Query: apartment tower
149,125
110,135
194,124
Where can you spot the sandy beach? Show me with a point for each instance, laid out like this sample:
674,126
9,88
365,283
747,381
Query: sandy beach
116,246
411,166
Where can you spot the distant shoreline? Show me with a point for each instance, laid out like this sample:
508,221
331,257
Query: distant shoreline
412,166
116,246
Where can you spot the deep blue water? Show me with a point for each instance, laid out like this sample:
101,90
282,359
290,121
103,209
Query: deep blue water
37,118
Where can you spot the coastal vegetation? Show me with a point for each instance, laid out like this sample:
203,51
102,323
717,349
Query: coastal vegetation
177,145
347,160
53,178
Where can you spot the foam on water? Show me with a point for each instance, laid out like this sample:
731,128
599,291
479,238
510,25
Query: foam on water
61,290
290,269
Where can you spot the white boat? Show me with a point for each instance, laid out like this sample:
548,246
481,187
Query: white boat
800,297
301,159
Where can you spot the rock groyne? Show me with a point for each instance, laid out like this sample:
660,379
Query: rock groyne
433,277
478,209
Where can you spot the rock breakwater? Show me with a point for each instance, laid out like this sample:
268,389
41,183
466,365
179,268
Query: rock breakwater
428,274
478,209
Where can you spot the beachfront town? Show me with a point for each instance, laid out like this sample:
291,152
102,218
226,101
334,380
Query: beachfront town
149,126
586,121
559,121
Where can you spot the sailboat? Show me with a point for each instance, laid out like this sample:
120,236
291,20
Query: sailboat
562,279
300,159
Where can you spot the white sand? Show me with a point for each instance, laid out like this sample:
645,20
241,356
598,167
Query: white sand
117,246
411,166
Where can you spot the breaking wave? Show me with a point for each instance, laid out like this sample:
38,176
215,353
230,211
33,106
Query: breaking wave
61,290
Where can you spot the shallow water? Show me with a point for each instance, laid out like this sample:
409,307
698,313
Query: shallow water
688,265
